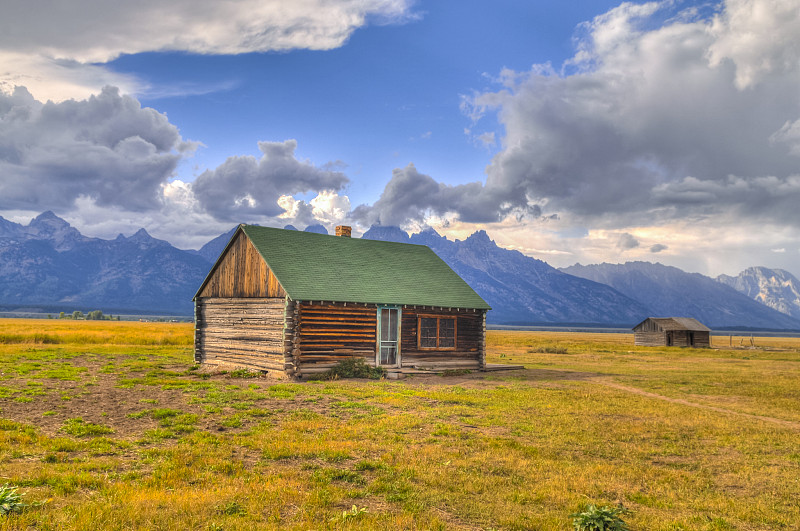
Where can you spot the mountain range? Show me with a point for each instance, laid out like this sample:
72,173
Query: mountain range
670,291
775,288
50,265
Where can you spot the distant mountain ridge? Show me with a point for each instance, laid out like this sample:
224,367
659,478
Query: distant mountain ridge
521,289
49,263
671,292
776,288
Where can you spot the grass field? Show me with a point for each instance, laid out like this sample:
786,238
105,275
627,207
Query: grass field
108,425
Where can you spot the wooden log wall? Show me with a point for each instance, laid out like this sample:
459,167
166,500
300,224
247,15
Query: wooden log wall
290,336
241,331
680,338
241,272
702,339
470,351
648,325
326,333
649,339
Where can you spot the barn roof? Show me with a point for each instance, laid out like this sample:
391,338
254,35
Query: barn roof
318,267
677,323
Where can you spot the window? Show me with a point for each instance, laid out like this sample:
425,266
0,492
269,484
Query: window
436,333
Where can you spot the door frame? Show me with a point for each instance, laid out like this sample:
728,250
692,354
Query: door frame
398,360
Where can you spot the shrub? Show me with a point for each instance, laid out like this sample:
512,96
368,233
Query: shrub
10,500
548,350
352,514
354,368
244,373
605,518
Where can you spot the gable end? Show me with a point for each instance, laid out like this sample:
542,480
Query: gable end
241,272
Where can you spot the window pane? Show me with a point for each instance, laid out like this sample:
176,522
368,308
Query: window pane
392,325
447,333
385,325
427,332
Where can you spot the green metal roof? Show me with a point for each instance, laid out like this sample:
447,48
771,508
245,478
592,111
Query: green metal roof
317,267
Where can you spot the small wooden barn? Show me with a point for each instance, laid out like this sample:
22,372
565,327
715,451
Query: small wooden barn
672,332
298,303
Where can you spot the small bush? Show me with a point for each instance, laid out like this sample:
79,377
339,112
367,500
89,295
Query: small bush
10,500
548,350
605,518
352,514
354,368
244,373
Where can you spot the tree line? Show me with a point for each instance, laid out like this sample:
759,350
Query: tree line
96,315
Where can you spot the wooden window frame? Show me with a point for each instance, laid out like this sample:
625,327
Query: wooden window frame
438,318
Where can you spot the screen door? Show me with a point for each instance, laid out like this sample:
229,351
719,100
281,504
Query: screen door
388,336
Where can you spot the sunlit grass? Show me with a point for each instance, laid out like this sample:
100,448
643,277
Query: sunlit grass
186,449
68,332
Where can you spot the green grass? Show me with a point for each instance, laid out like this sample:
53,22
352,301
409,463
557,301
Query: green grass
152,444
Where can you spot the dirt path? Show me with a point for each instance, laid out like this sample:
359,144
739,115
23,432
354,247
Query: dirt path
641,392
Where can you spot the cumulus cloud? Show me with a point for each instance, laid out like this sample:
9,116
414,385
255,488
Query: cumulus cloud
660,114
106,148
657,248
758,37
109,165
246,188
73,37
626,241
411,196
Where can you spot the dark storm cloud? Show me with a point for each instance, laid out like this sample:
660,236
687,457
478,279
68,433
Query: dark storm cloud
412,196
248,188
650,120
107,148
646,121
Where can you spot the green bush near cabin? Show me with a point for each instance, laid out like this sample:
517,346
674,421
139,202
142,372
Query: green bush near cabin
354,368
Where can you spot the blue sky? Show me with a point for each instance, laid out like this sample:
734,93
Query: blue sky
390,96
572,131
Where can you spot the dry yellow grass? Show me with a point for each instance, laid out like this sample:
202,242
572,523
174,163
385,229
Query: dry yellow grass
682,437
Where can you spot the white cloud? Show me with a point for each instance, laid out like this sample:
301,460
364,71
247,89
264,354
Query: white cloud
245,188
660,115
330,208
108,165
758,37
107,148
55,48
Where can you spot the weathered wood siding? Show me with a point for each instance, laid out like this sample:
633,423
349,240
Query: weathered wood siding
242,273
240,331
680,338
648,325
326,333
702,340
649,339
470,351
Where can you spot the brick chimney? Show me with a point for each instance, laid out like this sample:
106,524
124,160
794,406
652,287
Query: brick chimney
343,230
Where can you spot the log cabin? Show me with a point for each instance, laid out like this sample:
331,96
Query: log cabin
297,303
672,332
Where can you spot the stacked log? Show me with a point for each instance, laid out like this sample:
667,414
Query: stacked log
243,332
328,333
